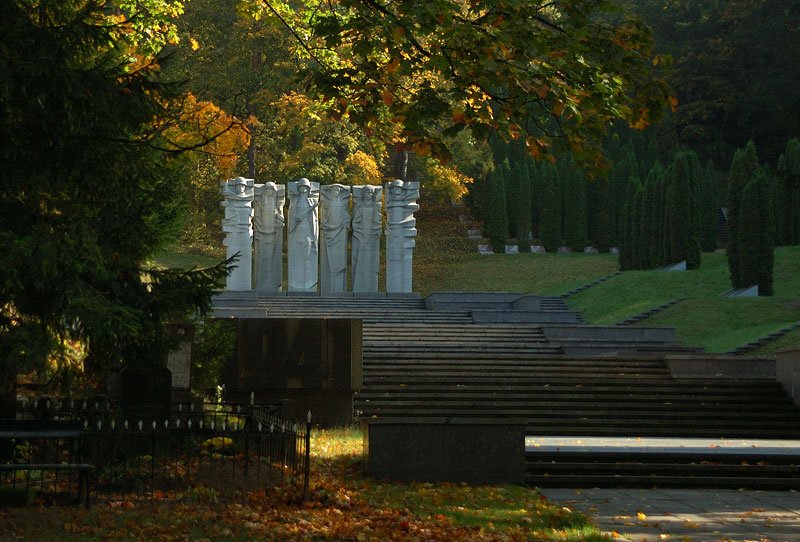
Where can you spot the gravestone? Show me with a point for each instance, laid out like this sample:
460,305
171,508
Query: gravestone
145,393
474,234
316,362
538,249
179,361
590,250
564,250
512,249
485,249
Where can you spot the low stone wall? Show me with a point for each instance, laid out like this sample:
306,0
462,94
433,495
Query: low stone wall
475,451
711,366
787,368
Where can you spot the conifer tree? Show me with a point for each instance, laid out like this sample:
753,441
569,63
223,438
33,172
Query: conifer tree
743,167
88,194
512,174
600,229
756,259
788,200
708,208
575,211
684,220
550,227
497,218
524,209
628,250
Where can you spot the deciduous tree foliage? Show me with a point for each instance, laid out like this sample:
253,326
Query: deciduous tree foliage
542,71
88,192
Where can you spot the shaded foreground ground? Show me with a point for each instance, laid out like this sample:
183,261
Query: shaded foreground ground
344,505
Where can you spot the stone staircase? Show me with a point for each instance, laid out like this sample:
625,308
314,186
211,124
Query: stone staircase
648,313
761,341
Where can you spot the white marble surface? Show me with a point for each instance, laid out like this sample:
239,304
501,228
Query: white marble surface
303,236
366,243
268,222
401,230
237,225
334,225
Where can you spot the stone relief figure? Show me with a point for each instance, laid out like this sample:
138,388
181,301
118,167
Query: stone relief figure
268,221
366,243
335,223
238,204
303,235
400,233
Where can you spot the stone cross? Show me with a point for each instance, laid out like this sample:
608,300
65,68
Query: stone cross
334,223
303,230
400,233
238,205
366,244
268,221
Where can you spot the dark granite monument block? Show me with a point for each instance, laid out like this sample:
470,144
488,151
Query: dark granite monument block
475,451
315,362
145,393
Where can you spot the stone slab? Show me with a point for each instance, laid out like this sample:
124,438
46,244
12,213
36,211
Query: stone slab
538,249
512,249
473,451
710,366
487,316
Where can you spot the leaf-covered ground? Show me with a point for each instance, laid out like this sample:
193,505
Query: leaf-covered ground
344,505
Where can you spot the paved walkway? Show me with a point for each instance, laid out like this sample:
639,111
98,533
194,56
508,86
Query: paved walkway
687,514
682,514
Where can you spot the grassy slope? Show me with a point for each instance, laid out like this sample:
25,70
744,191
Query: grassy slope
446,260
702,318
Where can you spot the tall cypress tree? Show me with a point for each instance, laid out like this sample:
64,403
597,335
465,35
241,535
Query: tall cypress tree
708,208
684,221
524,209
788,200
600,229
628,249
575,212
512,174
550,227
756,259
497,218
743,167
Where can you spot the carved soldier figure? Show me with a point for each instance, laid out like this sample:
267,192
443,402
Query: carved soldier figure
268,221
335,223
238,205
400,233
366,243
303,235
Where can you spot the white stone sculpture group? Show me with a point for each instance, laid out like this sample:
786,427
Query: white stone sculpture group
318,227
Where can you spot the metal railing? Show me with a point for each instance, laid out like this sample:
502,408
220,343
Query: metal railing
199,450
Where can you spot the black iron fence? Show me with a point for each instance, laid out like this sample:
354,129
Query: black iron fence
206,451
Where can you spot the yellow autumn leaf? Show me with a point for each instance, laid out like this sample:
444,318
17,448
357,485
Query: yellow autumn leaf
641,515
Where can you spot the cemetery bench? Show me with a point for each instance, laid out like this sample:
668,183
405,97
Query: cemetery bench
44,432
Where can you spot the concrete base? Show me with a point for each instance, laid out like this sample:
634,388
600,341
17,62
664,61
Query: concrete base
474,451
787,369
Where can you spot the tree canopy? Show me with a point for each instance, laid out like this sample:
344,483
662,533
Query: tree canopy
550,73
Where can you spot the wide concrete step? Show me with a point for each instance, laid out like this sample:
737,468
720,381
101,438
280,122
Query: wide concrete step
712,467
